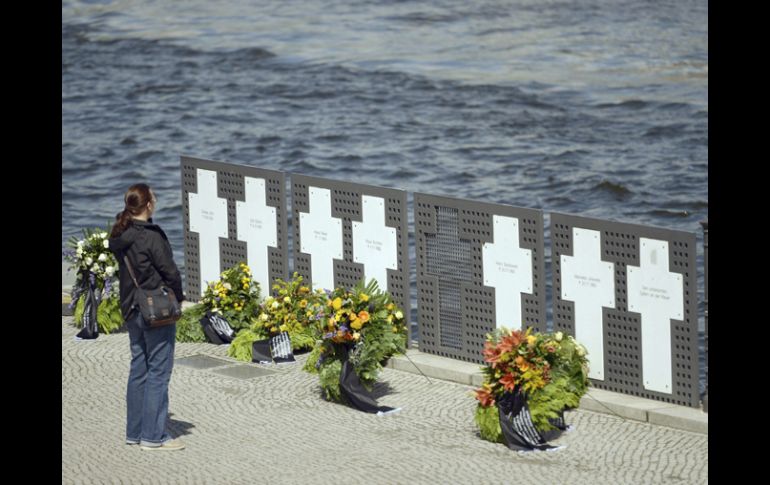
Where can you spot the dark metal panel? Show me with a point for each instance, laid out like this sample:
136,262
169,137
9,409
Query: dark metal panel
346,204
456,310
620,244
231,186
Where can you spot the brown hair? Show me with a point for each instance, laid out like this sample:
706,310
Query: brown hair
136,199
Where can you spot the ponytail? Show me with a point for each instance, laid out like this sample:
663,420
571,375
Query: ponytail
137,197
122,221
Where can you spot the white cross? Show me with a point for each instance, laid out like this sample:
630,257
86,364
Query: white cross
589,282
208,217
657,294
321,237
508,268
257,226
374,243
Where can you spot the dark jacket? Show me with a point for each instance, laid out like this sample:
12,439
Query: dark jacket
151,258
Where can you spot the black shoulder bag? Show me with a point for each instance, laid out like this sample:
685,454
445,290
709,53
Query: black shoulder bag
158,307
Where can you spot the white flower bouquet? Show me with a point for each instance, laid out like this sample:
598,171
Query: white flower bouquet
96,266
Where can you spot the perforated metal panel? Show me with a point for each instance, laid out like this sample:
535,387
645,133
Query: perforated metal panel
231,186
622,329
346,205
456,310
705,225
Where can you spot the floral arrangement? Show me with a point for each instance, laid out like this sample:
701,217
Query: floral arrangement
292,309
362,325
95,265
550,368
235,296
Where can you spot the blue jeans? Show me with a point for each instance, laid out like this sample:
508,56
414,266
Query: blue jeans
152,360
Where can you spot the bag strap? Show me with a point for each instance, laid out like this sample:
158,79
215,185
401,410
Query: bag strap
130,270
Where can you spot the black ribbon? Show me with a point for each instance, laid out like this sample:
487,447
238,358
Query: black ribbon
260,352
280,348
216,329
275,349
355,392
90,328
519,433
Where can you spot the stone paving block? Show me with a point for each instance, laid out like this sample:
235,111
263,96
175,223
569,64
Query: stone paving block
201,362
243,371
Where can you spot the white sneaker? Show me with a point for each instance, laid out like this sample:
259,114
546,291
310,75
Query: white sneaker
170,445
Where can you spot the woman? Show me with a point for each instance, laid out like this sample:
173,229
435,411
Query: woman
152,349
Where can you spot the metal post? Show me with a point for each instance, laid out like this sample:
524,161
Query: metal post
705,225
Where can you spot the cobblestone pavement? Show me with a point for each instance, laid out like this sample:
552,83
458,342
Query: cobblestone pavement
276,429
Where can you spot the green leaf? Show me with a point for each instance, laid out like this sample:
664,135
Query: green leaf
241,346
312,359
108,315
329,377
79,309
188,327
488,421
